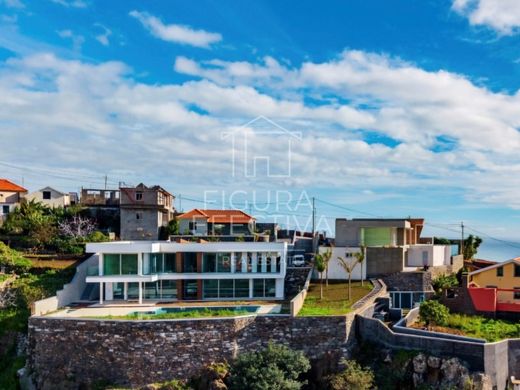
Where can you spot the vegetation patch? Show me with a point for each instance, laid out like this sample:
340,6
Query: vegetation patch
436,317
195,313
335,298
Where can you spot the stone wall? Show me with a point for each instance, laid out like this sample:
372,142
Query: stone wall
409,281
68,353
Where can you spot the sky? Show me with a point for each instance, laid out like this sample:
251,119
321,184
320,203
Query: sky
373,108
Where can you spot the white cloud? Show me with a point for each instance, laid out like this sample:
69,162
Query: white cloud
175,32
13,3
171,132
77,40
103,36
503,16
71,3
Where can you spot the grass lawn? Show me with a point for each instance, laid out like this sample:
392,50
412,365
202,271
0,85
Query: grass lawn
335,300
200,313
477,326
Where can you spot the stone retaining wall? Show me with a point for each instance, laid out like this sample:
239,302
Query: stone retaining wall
68,353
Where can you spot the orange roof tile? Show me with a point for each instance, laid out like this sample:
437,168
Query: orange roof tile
218,216
6,185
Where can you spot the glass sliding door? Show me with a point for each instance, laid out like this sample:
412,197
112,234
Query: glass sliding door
190,289
133,290
168,289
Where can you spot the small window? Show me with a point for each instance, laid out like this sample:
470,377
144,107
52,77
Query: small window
138,216
491,286
46,195
517,270
138,196
516,293
500,271
5,209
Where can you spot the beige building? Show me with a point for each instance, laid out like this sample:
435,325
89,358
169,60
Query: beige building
50,197
10,196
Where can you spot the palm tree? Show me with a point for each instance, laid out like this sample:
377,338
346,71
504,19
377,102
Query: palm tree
319,264
360,256
348,266
326,256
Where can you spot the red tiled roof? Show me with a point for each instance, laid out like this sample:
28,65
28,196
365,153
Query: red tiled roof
218,216
6,185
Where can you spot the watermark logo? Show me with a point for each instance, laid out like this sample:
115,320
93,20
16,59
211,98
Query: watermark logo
261,147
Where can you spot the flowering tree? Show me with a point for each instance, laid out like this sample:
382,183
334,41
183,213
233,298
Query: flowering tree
77,227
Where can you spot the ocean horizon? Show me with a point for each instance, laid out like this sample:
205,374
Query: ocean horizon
498,251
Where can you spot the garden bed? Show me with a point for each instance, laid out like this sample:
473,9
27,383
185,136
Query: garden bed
475,326
335,298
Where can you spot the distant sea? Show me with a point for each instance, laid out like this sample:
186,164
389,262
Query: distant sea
498,251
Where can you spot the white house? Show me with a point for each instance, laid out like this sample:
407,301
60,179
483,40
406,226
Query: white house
50,197
163,270
336,271
428,255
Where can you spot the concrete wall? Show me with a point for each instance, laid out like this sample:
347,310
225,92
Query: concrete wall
144,228
68,353
71,292
296,304
202,226
384,261
348,231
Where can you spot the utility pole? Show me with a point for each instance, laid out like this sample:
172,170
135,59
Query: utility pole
106,179
180,202
313,217
462,238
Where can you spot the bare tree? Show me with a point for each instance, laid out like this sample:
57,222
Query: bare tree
348,266
77,227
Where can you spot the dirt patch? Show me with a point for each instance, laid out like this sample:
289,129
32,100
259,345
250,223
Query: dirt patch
439,329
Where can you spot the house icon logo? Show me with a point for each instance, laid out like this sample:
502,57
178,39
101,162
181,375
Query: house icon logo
261,147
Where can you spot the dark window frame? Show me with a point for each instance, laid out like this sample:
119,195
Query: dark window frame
500,271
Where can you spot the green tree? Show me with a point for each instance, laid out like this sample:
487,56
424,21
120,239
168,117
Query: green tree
432,312
353,377
443,282
276,367
441,241
360,257
319,265
471,245
327,255
349,267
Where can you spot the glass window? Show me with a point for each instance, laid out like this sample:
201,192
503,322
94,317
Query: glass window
129,264
500,271
111,264
210,289
170,260
517,270
190,261
118,290
133,290
270,288
224,262
226,288
152,290
209,262
516,293
169,289
190,289
258,288
242,288
46,195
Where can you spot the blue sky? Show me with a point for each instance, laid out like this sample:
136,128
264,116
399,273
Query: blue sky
405,107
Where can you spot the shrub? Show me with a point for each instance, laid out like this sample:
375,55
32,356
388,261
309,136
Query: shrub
443,282
352,377
433,313
275,367
97,236
13,260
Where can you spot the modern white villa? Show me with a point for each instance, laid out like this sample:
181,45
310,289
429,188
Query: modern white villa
175,271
